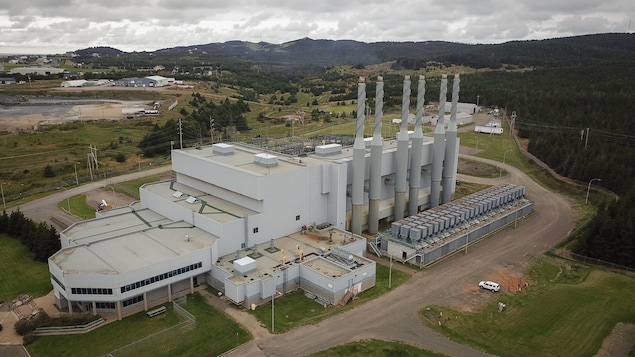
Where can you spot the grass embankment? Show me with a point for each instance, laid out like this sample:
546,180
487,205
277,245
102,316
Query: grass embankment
215,333
295,309
375,348
567,310
19,273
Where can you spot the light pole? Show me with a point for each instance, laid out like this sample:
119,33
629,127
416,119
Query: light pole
586,201
76,178
500,172
476,144
68,199
4,204
139,161
390,274
273,298
113,194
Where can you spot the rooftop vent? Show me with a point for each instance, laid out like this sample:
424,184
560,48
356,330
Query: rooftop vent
223,149
177,194
266,160
191,199
328,149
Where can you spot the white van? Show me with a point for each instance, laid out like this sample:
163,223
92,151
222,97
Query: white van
489,285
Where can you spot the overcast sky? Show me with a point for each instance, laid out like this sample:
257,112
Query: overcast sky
57,26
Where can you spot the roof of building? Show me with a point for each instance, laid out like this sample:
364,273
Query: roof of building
313,247
127,240
214,208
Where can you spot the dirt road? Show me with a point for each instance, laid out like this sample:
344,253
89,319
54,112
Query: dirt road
452,282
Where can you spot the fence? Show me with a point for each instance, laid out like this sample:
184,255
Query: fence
64,330
598,262
188,322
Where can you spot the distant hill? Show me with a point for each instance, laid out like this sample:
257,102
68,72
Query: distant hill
567,51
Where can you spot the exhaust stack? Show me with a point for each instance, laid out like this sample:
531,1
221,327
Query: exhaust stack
376,151
359,161
402,153
417,151
438,147
450,162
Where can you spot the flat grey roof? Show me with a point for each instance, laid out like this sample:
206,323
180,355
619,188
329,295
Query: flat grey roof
126,242
243,156
312,245
214,208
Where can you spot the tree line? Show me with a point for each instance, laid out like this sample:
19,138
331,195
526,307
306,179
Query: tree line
41,239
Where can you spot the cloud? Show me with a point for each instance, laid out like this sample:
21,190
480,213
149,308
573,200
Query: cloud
53,26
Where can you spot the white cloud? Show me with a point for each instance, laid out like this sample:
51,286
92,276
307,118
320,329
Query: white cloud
53,26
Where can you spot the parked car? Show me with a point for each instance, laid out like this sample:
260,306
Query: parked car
489,285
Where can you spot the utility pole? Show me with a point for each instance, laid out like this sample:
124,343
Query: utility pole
76,178
211,128
181,133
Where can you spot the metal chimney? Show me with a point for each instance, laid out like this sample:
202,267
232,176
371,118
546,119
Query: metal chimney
402,153
417,151
376,152
438,147
359,161
450,162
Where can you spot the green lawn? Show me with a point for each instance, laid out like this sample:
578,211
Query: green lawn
567,310
19,273
295,309
214,334
376,348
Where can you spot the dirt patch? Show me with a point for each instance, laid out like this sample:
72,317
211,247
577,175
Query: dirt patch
475,168
35,112
473,298
619,343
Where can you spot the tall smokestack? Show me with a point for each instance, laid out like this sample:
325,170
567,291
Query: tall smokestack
417,151
402,153
438,147
376,152
359,161
450,162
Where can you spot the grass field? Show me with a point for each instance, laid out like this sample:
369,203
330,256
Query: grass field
214,334
567,310
295,309
19,273
376,348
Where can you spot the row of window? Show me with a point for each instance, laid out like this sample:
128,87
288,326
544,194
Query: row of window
91,291
160,277
111,305
134,300
58,282
105,305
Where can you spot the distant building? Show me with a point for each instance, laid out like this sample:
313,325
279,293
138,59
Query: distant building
45,71
7,81
74,83
463,108
72,75
150,81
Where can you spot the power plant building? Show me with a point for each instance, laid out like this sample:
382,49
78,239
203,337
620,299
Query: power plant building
251,223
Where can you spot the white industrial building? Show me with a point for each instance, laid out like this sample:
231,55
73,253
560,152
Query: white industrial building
253,223
36,70
149,81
